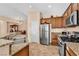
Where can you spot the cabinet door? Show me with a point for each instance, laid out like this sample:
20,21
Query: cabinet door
69,11
64,21
74,7
53,22
59,22
54,39
78,6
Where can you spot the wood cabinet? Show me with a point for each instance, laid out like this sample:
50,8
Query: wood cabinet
57,22
52,22
64,21
74,6
69,10
78,6
54,39
45,20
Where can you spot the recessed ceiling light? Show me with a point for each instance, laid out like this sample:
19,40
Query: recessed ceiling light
30,6
49,6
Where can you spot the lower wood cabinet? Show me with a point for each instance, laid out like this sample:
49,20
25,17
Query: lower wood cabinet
54,39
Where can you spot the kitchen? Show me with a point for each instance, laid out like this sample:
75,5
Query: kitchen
65,29
59,39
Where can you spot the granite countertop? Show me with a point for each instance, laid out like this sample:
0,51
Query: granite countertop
3,35
5,42
74,46
18,47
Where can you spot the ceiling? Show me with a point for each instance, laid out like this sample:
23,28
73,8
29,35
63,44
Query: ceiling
20,10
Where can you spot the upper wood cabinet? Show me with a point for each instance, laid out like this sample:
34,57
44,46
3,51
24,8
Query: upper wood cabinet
74,6
57,22
69,11
77,6
45,20
52,21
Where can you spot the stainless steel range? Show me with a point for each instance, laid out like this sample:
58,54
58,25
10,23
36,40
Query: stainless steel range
62,47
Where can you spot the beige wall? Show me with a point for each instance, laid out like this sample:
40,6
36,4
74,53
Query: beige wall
22,26
3,27
33,23
5,23
69,29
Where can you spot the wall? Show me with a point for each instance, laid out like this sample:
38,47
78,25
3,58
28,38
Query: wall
5,23
33,23
69,29
22,26
3,27
8,25
57,30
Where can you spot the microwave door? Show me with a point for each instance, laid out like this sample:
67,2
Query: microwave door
71,23
75,18
72,19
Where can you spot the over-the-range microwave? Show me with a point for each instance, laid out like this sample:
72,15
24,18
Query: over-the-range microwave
73,19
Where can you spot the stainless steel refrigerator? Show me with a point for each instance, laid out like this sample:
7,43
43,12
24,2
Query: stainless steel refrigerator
45,34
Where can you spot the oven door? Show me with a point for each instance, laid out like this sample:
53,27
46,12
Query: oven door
62,49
